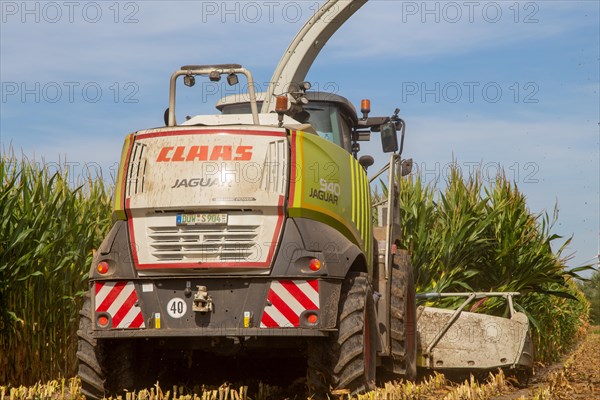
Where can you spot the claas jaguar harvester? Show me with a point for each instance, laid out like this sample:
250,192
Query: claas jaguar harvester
251,232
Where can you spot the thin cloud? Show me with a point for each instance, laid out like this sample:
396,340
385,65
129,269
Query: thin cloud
413,30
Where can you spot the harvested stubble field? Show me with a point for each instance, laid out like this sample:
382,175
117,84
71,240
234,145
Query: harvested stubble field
575,377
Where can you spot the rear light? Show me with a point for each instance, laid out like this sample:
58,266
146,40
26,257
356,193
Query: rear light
102,267
103,321
314,264
311,318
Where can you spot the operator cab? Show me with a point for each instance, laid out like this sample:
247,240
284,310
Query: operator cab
328,115
333,117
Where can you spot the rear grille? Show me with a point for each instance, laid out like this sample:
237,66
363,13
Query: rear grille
230,243
137,170
275,167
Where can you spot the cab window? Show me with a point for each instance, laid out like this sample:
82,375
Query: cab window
325,118
329,123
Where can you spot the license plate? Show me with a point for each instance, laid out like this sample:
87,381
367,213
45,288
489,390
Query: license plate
201,219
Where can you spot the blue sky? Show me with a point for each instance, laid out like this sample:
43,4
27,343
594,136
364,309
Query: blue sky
511,85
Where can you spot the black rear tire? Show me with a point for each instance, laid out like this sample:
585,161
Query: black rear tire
403,361
105,367
89,356
347,360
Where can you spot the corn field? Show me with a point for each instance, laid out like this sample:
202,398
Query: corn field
465,237
48,231
471,237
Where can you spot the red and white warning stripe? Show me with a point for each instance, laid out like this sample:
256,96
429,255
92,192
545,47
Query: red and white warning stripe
287,300
119,300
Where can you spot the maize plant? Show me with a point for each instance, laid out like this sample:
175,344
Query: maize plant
48,229
471,237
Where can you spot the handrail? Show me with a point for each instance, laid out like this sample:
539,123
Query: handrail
478,295
381,171
206,70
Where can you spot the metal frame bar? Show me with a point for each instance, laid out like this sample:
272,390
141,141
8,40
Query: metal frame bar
205,71
393,168
381,171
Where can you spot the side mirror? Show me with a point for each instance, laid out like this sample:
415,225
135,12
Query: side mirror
389,138
406,167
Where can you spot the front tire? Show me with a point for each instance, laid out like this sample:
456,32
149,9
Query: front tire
348,359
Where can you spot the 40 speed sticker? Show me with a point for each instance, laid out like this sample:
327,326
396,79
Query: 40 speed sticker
176,307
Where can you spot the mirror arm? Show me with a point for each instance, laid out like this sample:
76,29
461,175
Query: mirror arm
402,135
372,122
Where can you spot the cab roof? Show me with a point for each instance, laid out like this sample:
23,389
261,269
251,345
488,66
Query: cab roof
341,101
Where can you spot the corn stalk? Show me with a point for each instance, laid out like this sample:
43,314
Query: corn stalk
473,237
47,232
